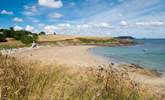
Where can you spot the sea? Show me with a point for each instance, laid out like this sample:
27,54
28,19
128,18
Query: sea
149,53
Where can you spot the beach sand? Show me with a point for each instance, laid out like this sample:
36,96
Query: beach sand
64,55
79,56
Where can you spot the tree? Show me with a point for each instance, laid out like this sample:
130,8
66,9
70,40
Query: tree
26,39
21,35
42,33
11,29
7,33
35,37
2,37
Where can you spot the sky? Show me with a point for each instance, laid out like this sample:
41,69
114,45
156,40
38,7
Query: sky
137,18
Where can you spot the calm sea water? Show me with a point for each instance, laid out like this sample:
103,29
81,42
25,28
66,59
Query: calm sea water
151,54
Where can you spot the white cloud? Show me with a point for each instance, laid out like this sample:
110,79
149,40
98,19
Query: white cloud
65,25
40,25
18,20
123,23
30,8
28,13
5,12
29,28
84,26
17,28
55,15
51,3
34,20
49,29
103,25
152,23
95,25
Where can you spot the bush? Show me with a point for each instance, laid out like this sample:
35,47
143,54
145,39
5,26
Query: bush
26,39
21,35
18,34
35,37
2,38
7,33
42,33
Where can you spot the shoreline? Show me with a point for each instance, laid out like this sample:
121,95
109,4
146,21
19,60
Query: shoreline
112,57
85,49
80,56
153,79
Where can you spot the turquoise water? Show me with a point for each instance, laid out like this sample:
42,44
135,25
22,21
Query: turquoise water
150,54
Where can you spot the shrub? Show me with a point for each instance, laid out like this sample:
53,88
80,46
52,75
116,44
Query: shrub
35,37
42,33
7,33
17,35
2,38
26,39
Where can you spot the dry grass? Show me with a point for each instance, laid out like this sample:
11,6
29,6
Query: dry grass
11,43
76,40
21,81
50,38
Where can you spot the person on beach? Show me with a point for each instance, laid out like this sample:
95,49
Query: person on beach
34,44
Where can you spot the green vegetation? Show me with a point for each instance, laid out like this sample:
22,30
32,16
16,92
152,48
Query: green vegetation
11,43
42,33
84,41
25,37
2,38
22,81
125,37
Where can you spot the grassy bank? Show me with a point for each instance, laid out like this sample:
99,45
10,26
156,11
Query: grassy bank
23,81
66,40
83,40
11,43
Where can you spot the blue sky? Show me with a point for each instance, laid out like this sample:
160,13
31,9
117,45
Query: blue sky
138,18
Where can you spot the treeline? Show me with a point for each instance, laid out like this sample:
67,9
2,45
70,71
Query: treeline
24,36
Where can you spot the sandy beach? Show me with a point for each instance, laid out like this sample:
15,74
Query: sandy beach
79,56
64,55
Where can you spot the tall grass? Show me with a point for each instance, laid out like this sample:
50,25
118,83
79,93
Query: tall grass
83,41
20,81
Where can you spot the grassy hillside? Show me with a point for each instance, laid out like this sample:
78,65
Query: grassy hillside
67,40
82,40
23,81
50,38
